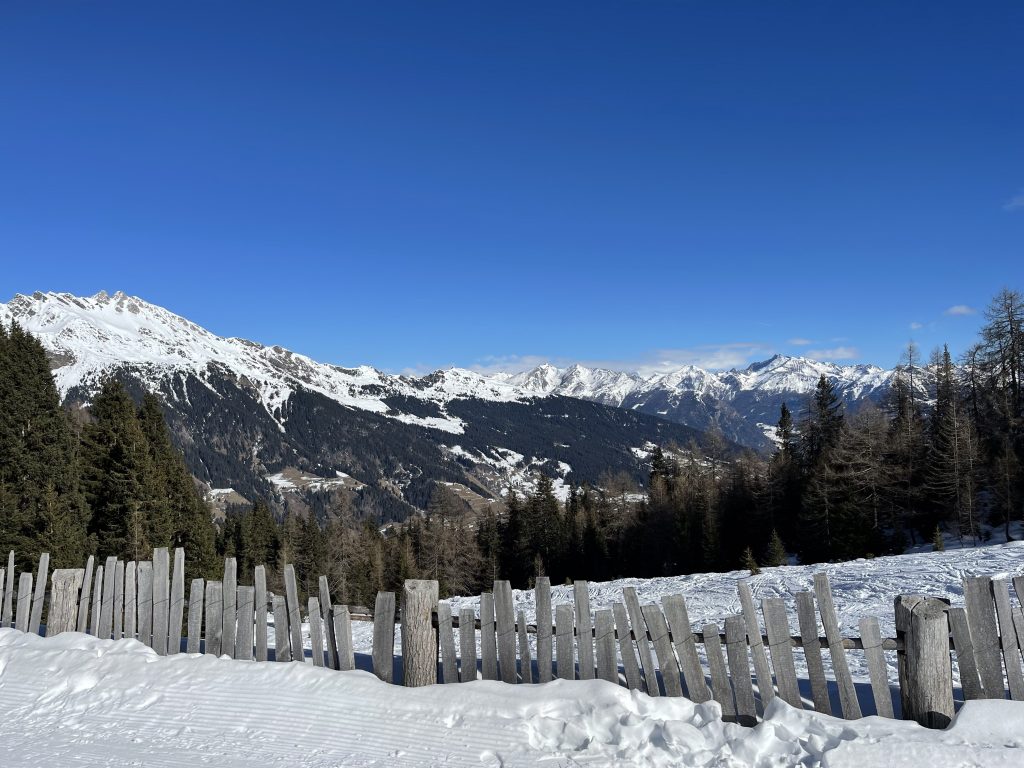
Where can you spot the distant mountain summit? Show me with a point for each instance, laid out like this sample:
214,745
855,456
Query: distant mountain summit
263,421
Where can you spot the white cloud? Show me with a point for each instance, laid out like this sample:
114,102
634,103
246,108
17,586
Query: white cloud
835,353
799,342
915,326
959,310
1015,203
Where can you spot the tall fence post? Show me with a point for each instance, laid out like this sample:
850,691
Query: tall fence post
926,677
419,644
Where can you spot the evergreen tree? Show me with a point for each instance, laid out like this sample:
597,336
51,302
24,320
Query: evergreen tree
776,554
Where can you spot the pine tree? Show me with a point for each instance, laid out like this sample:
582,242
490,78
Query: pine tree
749,563
776,554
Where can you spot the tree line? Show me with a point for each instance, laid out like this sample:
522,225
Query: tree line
842,484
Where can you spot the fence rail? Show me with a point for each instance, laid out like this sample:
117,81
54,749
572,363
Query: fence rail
650,647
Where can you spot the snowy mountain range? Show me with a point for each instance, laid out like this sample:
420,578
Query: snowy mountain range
257,420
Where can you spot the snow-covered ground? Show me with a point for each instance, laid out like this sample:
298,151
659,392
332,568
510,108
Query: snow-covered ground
73,700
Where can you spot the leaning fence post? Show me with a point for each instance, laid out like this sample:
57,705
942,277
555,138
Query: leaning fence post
419,644
927,680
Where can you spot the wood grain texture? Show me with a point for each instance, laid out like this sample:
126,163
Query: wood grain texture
970,682
325,606
214,617
291,598
282,643
827,610
119,572
419,643
230,612
161,598
260,608
604,631
446,639
739,669
657,627
627,649
488,638
177,607
584,630
316,631
83,598
7,614
39,596
878,672
686,648
757,652
505,624
777,627
542,593
981,617
63,614
22,620
245,611
720,686
195,616
929,674
97,599
144,600
808,618
636,618
1008,639
384,636
525,662
343,636
467,645
107,601
565,650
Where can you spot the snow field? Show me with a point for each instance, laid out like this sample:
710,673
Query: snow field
74,700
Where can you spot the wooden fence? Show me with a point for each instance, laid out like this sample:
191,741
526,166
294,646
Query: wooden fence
645,647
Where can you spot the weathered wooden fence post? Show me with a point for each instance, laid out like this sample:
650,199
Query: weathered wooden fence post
926,678
419,644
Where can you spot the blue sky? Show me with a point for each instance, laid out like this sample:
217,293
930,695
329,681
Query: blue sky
415,185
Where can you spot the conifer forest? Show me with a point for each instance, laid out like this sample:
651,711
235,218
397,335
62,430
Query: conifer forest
107,479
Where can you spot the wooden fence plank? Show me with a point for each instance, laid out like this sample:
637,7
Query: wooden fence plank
761,669
177,606
325,606
7,615
446,639
871,637
42,574
384,636
260,609
640,634
627,649
720,687
686,648
604,631
739,669
245,608
981,619
542,592
827,609
230,617
3,590
488,640
130,606
564,648
506,627
808,619
343,636
97,598
291,598
83,599
776,626
419,643
970,682
63,614
22,619
161,598
584,633
985,635
902,607
525,662
467,645
195,616
144,600
214,617
1008,639
118,600
657,627
107,601
282,644
316,632
929,692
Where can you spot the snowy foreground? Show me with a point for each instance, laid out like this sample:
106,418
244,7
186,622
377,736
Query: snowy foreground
75,700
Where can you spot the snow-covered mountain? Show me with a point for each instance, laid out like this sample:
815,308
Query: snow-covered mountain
744,404
263,421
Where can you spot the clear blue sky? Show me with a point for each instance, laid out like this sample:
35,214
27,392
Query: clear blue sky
415,185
